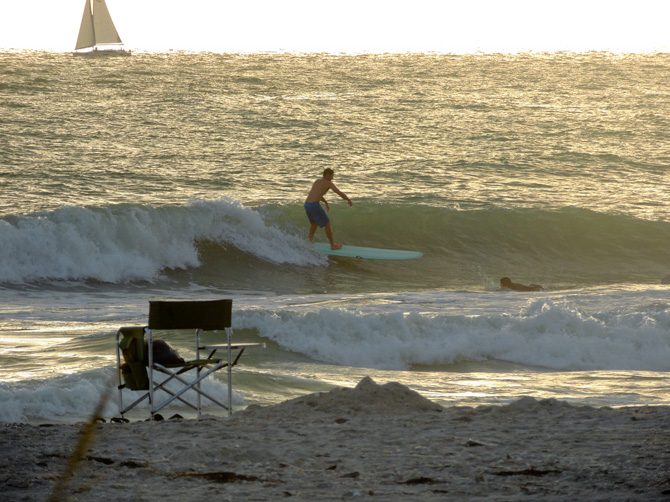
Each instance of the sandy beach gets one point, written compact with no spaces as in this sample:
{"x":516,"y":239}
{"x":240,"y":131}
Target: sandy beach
{"x":377,"y":442}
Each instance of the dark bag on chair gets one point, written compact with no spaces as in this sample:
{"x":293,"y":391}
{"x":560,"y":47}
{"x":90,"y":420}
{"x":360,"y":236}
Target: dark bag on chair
{"x":163,"y":353}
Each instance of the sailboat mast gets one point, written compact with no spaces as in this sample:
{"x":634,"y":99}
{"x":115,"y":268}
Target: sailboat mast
{"x":92,"y":4}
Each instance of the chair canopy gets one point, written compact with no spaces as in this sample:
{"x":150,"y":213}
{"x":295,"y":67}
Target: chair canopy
{"x":205,"y":315}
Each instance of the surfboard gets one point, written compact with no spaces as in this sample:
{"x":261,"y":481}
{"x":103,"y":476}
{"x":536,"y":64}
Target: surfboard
{"x":367,"y":253}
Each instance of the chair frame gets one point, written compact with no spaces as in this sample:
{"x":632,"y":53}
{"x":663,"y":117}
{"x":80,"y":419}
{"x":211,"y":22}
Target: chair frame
{"x":178,"y":315}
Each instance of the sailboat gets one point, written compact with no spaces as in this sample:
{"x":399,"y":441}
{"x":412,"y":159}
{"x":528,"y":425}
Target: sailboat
{"x":97,"y":33}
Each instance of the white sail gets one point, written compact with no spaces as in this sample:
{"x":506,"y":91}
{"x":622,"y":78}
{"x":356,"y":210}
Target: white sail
{"x":105,"y":32}
{"x":86,"y":36}
{"x":97,"y":26}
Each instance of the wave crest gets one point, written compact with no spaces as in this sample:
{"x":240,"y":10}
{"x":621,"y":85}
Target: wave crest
{"x":129,"y":242}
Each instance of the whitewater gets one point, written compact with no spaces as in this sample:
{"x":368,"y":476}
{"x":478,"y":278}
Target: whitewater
{"x":182,"y":176}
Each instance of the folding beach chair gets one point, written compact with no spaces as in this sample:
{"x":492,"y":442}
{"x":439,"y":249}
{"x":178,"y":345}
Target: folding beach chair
{"x":149,"y":365}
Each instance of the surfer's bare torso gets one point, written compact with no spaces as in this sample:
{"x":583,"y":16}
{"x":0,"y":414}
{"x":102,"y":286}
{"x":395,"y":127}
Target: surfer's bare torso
{"x":320,"y":188}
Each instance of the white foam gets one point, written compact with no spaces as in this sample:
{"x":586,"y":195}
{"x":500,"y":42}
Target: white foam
{"x":542,"y":333}
{"x":74,"y":397}
{"x":125,"y":243}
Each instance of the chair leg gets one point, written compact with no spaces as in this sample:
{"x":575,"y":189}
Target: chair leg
{"x":150,"y":370}
{"x":199,"y":370}
{"x":189,"y":385}
{"x":118,"y":372}
{"x":229,"y":336}
{"x":135,"y":403}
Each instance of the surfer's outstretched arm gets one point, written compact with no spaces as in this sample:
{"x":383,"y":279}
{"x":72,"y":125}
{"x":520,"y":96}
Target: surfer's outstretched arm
{"x":341,"y":194}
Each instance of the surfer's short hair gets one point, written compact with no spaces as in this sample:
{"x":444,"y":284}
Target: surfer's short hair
{"x":328,"y":171}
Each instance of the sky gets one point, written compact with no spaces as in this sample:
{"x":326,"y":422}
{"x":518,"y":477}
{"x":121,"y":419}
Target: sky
{"x":350,"y":26}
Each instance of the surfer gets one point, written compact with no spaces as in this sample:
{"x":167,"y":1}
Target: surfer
{"x":317,"y":216}
{"x":506,"y":283}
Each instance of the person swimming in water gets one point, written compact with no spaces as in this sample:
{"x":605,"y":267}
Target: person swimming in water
{"x":506,"y":283}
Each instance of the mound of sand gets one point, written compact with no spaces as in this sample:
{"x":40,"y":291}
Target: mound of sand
{"x":367,"y":398}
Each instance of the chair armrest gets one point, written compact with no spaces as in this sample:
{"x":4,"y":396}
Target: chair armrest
{"x":232,"y":346}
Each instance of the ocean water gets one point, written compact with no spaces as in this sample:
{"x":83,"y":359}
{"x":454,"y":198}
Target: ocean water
{"x":182,"y":176}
